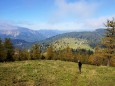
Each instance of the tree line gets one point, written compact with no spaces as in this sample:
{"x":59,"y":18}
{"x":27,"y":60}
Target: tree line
{"x":9,"y":53}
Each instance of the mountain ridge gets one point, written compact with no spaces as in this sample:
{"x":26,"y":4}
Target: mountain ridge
{"x":25,"y":37}
{"x":16,"y":32}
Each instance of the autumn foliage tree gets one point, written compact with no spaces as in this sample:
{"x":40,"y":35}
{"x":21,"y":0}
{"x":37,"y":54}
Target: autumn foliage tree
{"x":49,"y":53}
{"x":97,"y":58}
{"x":105,"y":53}
{"x":109,"y":40}
{"x":35,"y":52}
{"x":67,"y":54}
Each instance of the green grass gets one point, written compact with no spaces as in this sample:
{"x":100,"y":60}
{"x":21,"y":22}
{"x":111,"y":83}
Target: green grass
{"x":54,"y":73}
{"x":72,"y":43}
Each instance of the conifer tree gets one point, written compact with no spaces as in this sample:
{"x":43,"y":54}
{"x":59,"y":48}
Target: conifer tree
{"x":109,"y":40}
{"x":2,"y":52}
{"x":9,"y":49}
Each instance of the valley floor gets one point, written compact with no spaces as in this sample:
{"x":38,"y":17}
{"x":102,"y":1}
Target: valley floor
{"x":54,"y":73}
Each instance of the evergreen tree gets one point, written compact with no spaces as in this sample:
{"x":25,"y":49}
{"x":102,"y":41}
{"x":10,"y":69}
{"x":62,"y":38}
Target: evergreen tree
{"x":2,"y":52}
{"x":109,"y":40}
{"x":9,"y":49}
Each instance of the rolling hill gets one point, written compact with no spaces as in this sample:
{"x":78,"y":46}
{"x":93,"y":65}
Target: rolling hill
{"x":72,"y":39}
{"x":54,"y":73}
{"x":73,"y":43}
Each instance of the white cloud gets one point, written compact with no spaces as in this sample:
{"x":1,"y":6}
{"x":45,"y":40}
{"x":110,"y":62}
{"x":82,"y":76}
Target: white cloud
{"x":80,"y":8}
{"x":97,"y":22}
{"x":85,"y":25}
{"x":51,"y":26}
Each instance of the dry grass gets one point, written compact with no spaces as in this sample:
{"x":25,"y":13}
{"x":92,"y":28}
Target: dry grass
{"x":54,"y":73}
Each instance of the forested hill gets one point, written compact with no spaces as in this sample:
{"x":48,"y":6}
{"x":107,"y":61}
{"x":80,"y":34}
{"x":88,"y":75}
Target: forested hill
{"x":93,"y":37}
{"x":22,"y":44}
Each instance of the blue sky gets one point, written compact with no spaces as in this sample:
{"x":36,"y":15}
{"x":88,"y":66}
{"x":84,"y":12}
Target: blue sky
{"x":79,"y":15}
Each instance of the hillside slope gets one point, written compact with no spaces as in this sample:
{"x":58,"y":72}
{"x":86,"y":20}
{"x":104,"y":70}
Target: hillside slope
{"x":93,"y":38}
{"x":50,"y":33}
{"x":21,"y":44}
{"x":73,"y":43}
{"x":54,"y":73}
{"x":22,"y":33}
{"x":26,"y":34}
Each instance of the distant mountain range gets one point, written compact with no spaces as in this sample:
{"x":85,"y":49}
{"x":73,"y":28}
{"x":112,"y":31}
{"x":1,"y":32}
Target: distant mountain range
{"x":93,"y":37}
{"x":22,"y":33}
{"x":24,"y":37}
{"x":50,"y":33}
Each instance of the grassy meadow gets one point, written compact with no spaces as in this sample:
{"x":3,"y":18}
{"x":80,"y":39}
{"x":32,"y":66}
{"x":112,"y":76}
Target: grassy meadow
{"x":54,"y":73}
{"x":73,"y":43}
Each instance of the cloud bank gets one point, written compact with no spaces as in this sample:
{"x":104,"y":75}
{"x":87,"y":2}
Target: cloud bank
{"x":86,"y":25}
